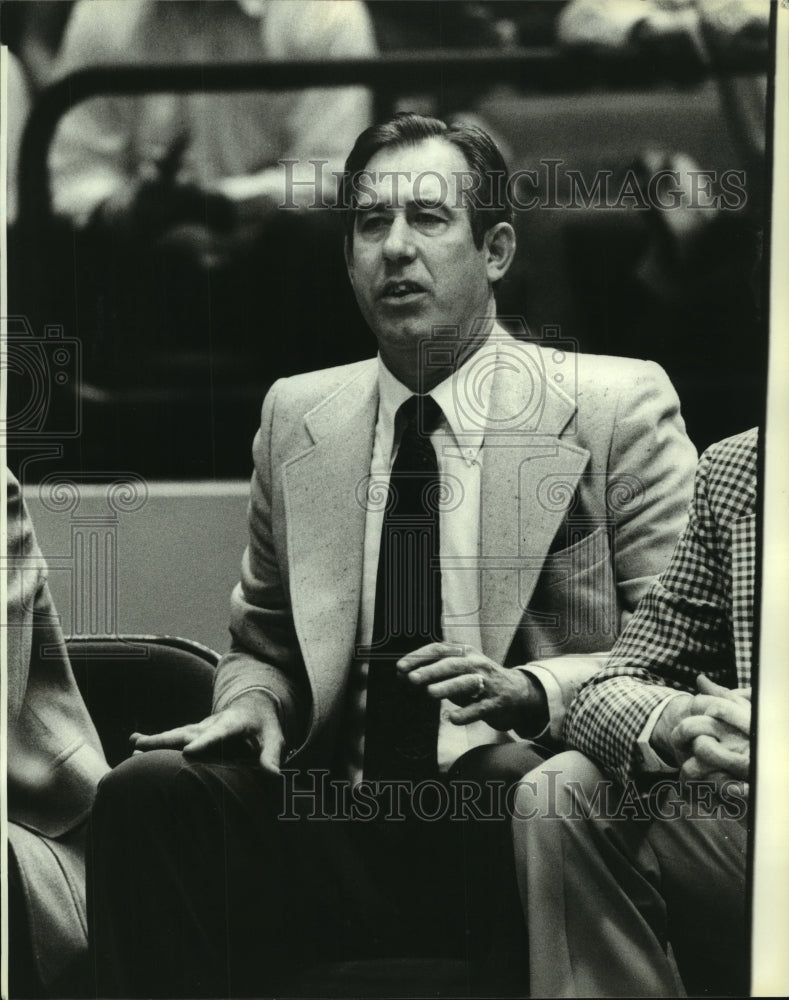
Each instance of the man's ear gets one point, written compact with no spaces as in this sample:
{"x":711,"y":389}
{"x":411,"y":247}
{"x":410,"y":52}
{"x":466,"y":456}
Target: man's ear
{"x":499,"y":245}
{"x":348,"y":252}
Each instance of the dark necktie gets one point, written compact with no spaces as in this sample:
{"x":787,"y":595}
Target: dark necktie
{"x":401,"y":723}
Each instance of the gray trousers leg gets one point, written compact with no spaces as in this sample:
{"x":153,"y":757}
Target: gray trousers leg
{"x":609,"y":898}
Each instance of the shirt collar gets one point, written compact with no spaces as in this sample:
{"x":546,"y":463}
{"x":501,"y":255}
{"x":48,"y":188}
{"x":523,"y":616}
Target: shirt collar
{"x":464,"y":398}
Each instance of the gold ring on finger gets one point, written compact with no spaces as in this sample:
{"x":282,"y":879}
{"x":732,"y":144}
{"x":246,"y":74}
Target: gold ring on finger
{"x":480,"y":691}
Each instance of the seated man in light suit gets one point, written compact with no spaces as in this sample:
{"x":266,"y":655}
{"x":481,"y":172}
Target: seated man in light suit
{"x":421,"y":525}
{"x":609,"y":882}
{"x":54,"y":761}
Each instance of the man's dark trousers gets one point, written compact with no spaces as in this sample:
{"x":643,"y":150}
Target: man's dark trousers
{"x":198,"y":887}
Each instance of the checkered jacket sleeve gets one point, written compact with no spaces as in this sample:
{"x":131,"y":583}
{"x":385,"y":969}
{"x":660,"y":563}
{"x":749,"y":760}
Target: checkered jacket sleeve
{"x":696,"y":618}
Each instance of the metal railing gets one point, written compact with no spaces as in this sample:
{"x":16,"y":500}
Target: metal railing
{"x":531,"y":70}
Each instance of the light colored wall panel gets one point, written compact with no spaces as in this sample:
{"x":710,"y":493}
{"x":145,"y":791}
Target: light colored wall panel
{"x":166,"y":565}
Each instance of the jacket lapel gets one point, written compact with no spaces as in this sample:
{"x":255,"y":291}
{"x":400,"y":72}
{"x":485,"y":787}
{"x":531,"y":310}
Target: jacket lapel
{"x":324,"y":497}
{"x":528,"y":479}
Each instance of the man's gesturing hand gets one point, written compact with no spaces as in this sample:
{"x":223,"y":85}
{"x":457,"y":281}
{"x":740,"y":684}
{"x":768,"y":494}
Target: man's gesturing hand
{"x":504,"y":698}
{"x":252,"y":715}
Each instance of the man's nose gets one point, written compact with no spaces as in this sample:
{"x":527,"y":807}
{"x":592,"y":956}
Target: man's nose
{"x":399,"y":242}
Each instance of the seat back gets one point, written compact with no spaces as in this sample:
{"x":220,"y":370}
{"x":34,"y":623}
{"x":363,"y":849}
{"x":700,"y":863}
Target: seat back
{"x":141,"y":683}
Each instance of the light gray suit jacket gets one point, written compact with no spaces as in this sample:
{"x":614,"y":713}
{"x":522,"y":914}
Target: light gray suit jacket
{"x":54,"y":758}
{"x":584,"y":493}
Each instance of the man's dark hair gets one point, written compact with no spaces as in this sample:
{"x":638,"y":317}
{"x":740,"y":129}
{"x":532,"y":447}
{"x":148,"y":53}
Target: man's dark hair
{"x":488,"y":197}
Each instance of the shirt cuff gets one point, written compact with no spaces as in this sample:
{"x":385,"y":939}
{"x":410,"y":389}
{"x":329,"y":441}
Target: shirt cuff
{"x":257,"y":687}
{"x":553,"y":696}
{"x":650,"y":761}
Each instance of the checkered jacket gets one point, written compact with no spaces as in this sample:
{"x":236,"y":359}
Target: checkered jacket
{"x":696,"y":618}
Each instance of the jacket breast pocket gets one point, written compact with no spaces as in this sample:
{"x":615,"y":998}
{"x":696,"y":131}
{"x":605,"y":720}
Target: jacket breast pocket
{"x":574,"y":607}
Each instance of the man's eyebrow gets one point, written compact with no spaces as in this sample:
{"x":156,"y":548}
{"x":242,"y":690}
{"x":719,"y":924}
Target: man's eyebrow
{"x":407,"y":201}
{"x":376,"y":206}
{"x":427,"y":202}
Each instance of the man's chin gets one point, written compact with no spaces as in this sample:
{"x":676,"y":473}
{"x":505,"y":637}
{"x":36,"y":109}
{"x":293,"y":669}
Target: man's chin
{"x":403,"y":335}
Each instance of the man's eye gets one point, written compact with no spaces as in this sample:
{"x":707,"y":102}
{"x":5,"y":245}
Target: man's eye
{"x":429,"y":220}
{"x":372,"y":223}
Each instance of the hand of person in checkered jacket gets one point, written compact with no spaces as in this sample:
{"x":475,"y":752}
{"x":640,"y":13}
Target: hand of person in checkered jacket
{"x":709,"y":733}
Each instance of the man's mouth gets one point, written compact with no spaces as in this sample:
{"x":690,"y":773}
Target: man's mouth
{"x":400,"y":289}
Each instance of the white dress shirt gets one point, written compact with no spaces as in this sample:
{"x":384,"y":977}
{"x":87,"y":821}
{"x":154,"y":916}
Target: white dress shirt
{"x":458,"y":441}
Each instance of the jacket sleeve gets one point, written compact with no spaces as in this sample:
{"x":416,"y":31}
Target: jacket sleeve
{"x":679,"y":630}
{"x":264,"y":653}
{"x":54,"y":758}
{"x":646,"y":483}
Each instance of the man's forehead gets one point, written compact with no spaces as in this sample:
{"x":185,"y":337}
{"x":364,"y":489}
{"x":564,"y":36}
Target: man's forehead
{"x":430,"y":172}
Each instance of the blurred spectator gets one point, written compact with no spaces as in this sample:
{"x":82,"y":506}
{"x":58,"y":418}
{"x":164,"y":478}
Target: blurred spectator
{"x":736,"y":25}
{"x":55,"y":762}
{"x":534,"y":21}
{"x":18,"y":107}
{"x":112,"y":151}
{"x":178,"y":193}
{"x":692,"y":291}
{"x":411,"y":25}
{"x":414,"y":24}
{"x":683,"y":289}
{"x":33,"y":30}
{"x":672,"y":27}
